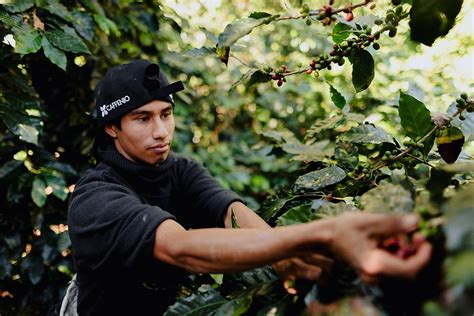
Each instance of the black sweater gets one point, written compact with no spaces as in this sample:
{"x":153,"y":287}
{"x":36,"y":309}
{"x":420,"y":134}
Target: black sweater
{"x":113,"y":214}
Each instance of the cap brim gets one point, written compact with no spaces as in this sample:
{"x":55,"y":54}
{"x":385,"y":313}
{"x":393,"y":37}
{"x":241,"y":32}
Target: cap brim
{"x":167,"y":90}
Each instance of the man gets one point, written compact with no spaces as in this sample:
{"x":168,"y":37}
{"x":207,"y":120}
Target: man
{"x":145,"y":217}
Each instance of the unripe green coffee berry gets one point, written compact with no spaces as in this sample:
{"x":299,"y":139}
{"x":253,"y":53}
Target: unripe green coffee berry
{"x":462,"y":117}
{"x":464,"y":96}
{"x":390,"y":16}
{"x":378,"y":22}
{"x":341,"y":61}
{"x":470,"y":109}
{"x":308,"y":22}
{"x":399,"y":10}
{"x":460,"y":101}
{"x":396,"y":2}
{"x":376,"y":46}
{"x":392,"y":32}
{"x":368,"y":30}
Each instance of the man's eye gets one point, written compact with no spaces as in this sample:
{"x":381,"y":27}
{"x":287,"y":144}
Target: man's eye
{"x":166,"y":114}
{"x":143,"y":119}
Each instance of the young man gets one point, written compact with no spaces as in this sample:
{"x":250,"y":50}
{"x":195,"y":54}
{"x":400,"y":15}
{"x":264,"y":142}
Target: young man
{"x":145,"y":217}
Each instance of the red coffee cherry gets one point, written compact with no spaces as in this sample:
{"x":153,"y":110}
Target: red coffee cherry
{"x":349,"y":16}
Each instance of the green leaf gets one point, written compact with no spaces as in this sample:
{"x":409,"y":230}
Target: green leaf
{"x":252,"y":278}
{"x":200,"y":52}
{"x":362,"y":69}
{"x":9,"y":167}
{"x":19,"y":5}
{"x":270,"y":209}
{"x":337,"y":97}
{"x":238,"y":29}
{"x":296,"y":215}
{"x":84,"y":24}
{"x":236,"y":307}
{"x":333,"y":122}
{"x":450,"y":141}
{"x":28,"y":40}
{"x":58,"y":9}
{"x":209,"y":35}
{"x":67,"y":40}
{"x":367,"y":134}
{"x":258,"y":77}
{"x":244,"y":77}
{"x":304,"y":152}
{"x":387,"y":198}
{"x":101,"y":21}
{"x":64,"y":242}
{"x":333,"y":209}
{"x":28,"y":133}
{"x":415,"y":118}
{"x":11,"y":21}
{"x":319,"y":179}
{"x":459,"y":213}
{"x":58,"y":184}
{"x":33,"y":265}
{"x":56,"y":56}
{"x":38,"y":193}
{"x":218,"y":278}
{"x":201,"y":303}
{"x":459,"y":269}
{"x":280,"y":136}
{"x":341,"y":32}
{"x":259,"y":15}
{"x":430,"y":19}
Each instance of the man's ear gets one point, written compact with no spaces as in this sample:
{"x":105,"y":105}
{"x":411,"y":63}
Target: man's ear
{"x":111,"y":129}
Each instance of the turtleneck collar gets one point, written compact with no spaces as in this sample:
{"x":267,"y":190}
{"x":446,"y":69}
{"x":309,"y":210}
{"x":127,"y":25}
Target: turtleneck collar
{"x":146,"y":178}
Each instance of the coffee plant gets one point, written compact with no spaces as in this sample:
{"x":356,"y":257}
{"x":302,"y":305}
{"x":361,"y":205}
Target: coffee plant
{"x":349,"y":164}
{"x":295,"y":136}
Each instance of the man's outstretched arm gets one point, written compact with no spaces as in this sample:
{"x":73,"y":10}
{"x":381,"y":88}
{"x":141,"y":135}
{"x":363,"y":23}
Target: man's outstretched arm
{"x":350,"y":236}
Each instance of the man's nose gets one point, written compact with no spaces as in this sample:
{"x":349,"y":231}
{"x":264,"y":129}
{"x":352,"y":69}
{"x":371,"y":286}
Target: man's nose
{"x":159,"y":129}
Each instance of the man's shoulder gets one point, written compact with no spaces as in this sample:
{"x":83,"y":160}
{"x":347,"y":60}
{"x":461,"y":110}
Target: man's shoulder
{"x":102,"y":175}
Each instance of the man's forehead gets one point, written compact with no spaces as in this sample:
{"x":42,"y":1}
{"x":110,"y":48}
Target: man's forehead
{"x":154,"y":106}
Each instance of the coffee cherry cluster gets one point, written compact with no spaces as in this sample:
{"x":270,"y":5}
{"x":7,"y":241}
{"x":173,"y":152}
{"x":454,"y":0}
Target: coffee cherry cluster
{"x":392,"y":19}
{"x":326,"y":13}
{"x":463,"y":103}
{"x":401,"y":246}
{"x":363,"y":36}
{"x":279,"y":75}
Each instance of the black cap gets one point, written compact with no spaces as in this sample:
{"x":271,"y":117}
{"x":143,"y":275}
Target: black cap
{"x":130,"y":86}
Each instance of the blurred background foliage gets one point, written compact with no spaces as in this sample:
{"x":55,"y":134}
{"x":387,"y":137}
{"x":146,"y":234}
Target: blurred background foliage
{"x":53,"y":53}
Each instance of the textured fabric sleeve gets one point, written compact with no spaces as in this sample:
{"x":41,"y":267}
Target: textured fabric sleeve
{"x":205,"y":197}
{"x":111,"y":229}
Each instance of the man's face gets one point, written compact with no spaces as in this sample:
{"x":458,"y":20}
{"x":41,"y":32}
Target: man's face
{"x":146,"y":133}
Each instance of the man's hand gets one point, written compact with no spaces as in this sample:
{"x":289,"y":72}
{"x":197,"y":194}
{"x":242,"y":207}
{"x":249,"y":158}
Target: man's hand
{"x":355,"y":241}
{"x":314,"y":267}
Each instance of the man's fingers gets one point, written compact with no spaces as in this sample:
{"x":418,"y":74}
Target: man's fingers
{"x":319,"y":260}
{"x":383,"y":263}
{"x":302,"y":270}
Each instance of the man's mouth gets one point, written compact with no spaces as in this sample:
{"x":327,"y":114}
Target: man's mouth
{"x":160,"y":149}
